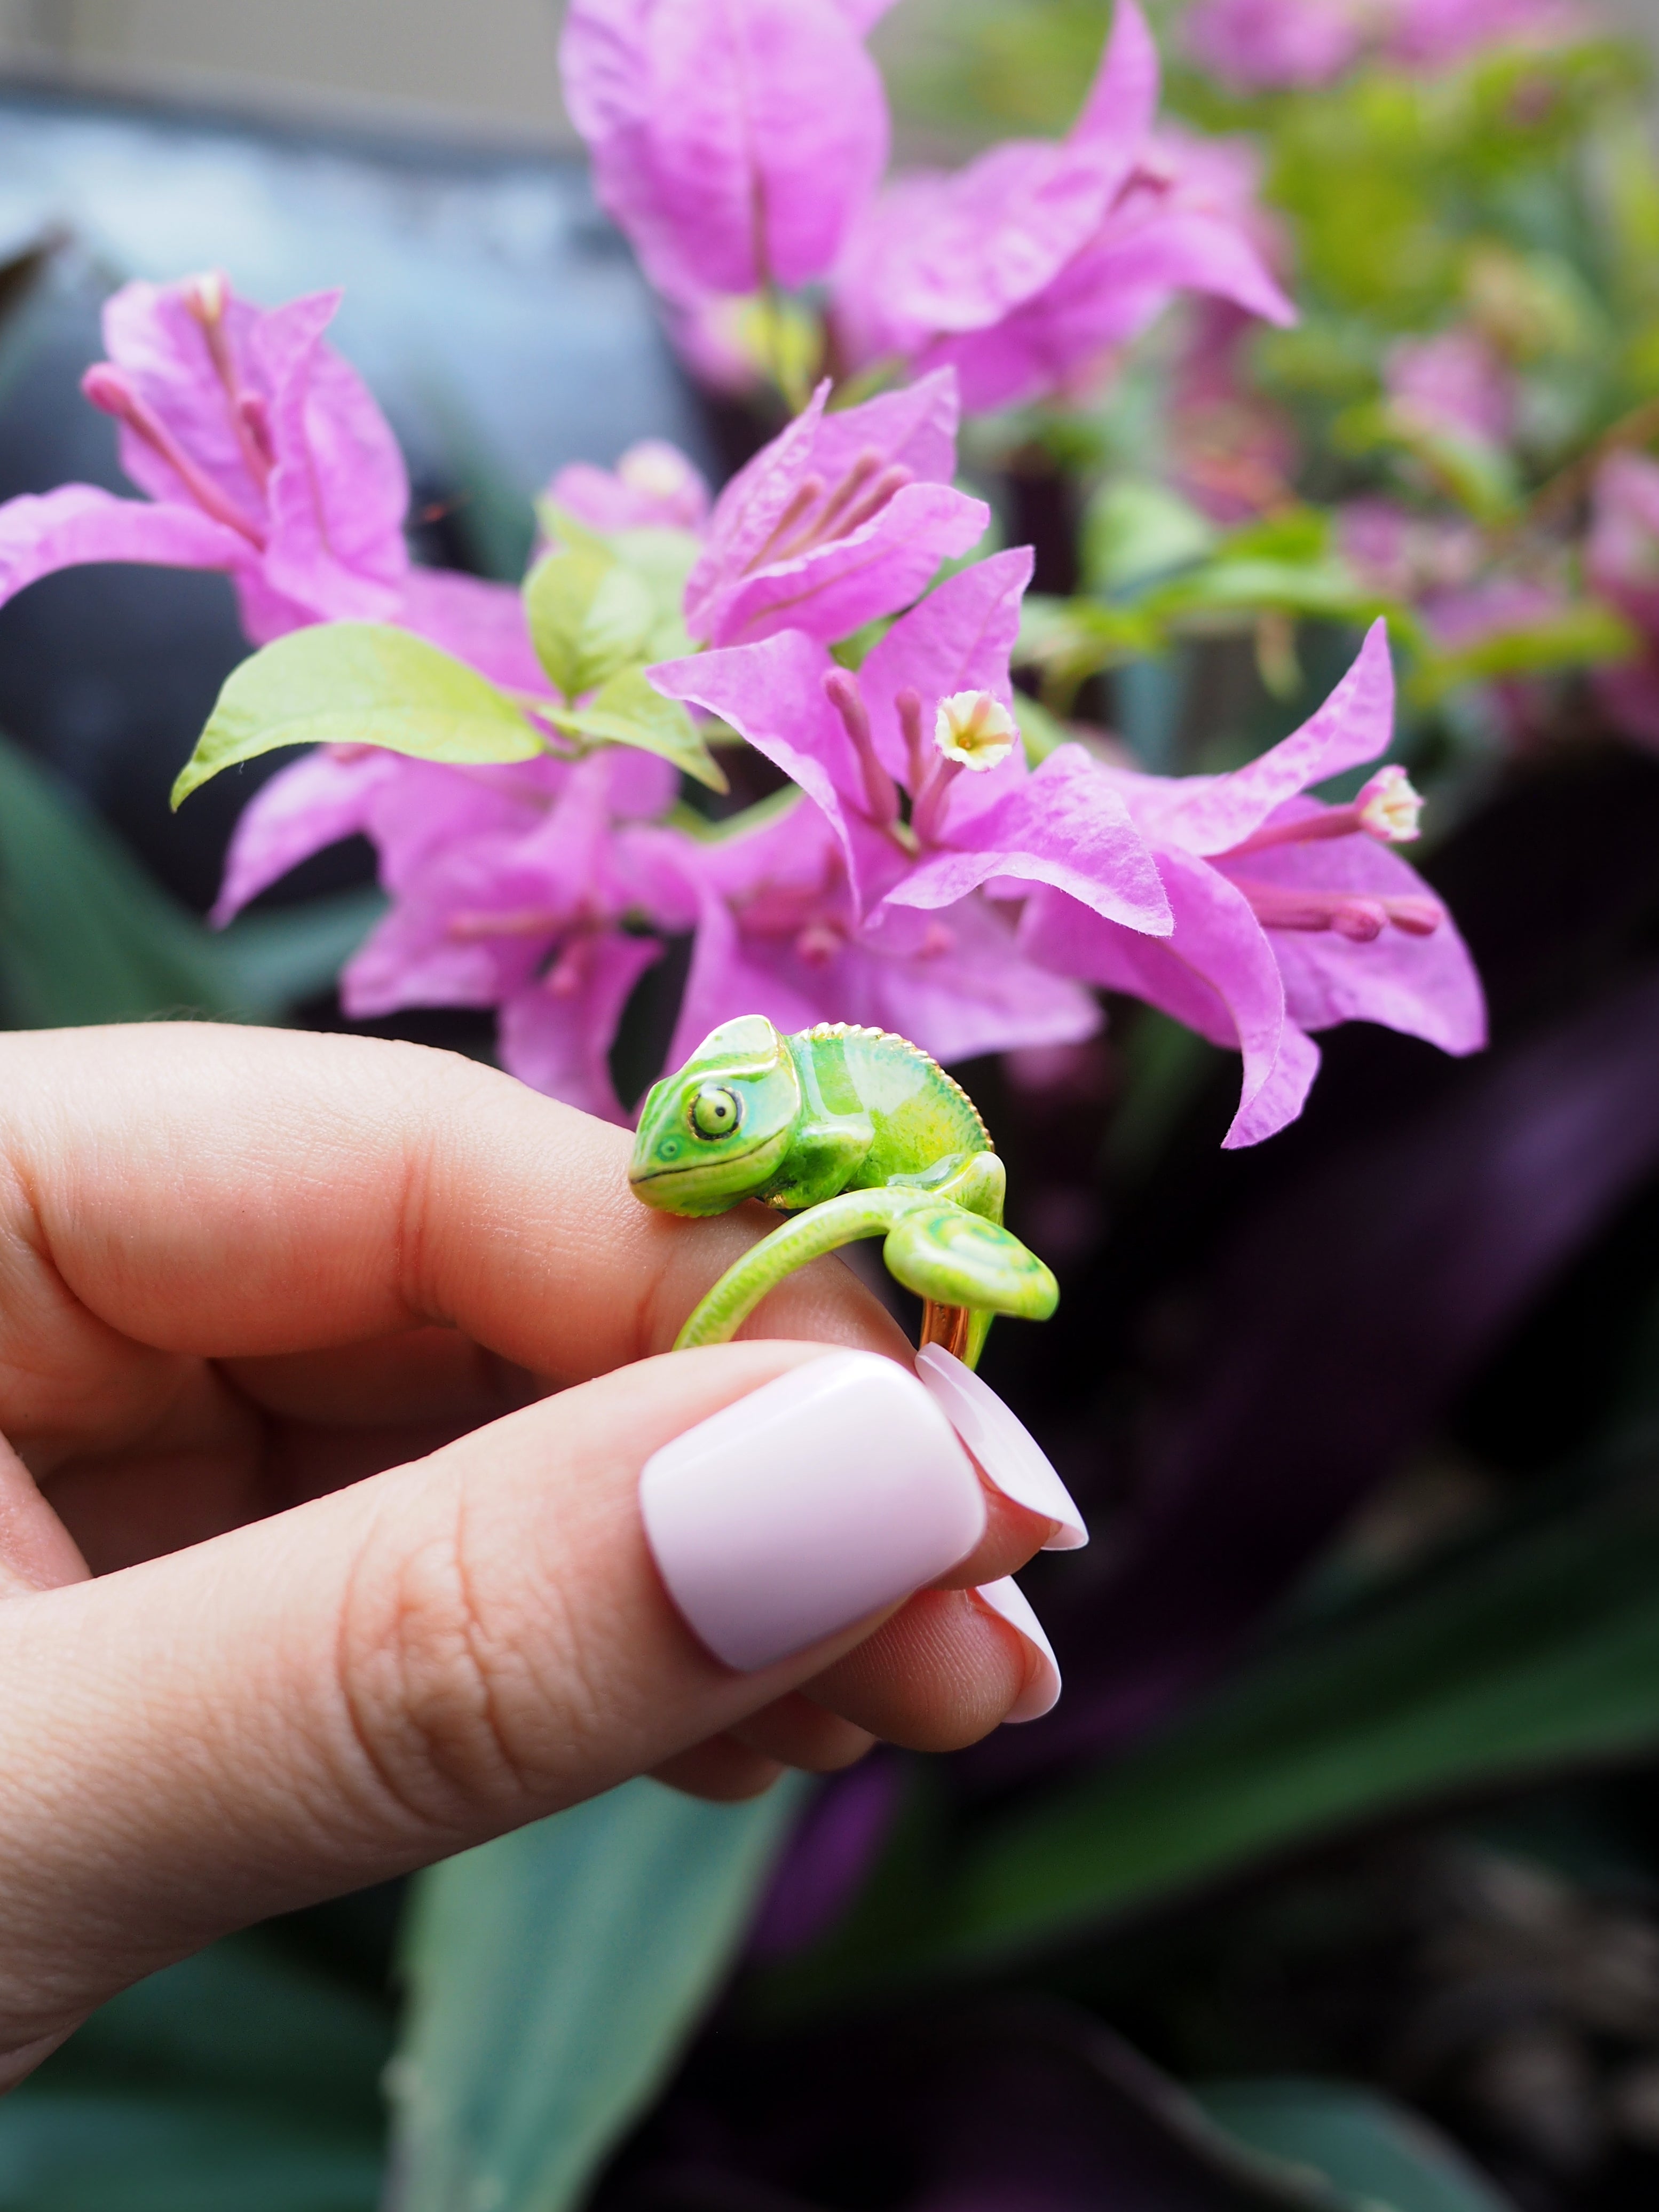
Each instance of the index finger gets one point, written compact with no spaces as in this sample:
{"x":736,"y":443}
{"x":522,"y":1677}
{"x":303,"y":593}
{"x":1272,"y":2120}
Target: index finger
{"x":236,"y":1194}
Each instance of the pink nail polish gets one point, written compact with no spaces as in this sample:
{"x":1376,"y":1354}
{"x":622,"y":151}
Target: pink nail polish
{"x":1042,"y":1694}
{"x":818,"y":1499}
{"x":1012,"y":1460}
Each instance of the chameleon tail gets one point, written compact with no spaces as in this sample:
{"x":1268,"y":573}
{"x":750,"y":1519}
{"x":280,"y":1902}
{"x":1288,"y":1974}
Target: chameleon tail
{"x":808,"y":1236}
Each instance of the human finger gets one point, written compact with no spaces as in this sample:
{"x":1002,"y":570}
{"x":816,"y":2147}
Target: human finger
{"x":186,"y":1193}
{"x":401,"y":1670}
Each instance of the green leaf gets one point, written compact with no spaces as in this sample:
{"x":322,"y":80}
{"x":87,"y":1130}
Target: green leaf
{"x":276,"y":960}
{"x":358,"y":684}
{"x":1588,"y":634}
{"x":1381,"y":2156}
{"x":1536,"y":1652}
{"x":589,"y":618}
{"x":662,"y":559}
{"x":85,"y":936}
{"x":627,"y":711}
{"x":237,"y":2078}
{"x":554,"y":1976}
{"x":1135,"y":529}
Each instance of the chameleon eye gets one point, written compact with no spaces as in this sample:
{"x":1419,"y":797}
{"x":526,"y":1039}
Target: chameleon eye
{"x":715,"y":1112}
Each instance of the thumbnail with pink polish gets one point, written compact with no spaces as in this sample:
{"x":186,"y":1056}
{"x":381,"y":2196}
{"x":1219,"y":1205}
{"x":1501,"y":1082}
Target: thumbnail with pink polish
{"x":1042,"y":1694}
{"x":1013,"y":1461}
{"x":818,"y":1499}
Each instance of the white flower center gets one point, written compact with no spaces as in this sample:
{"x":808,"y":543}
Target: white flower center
{"x":975,"y":729}
{"x":1388,"y":808}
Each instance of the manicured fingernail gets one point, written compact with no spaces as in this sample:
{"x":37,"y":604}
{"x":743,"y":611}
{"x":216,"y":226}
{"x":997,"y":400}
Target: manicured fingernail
{"x":815,"y":1501}
{"x":1013,"y":1461}
{"x":1041,"y":1692}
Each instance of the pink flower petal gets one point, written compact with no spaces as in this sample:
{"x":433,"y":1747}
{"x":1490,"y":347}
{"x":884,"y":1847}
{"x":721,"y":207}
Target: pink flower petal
{"x":562,"y":1046}
{"x":478,"y":622}
{"x":338,"y":491}
{"x":1209,"y":814}
{"x":79,"y":523}
{"x":1423,"y":987}
{"x":957,"y":640}
{"x":1216,"y":972}
{"x":1065,"y":826}
{"x":838,"y":587}
{"x":733,"y":140}
{"x":315,"y":802}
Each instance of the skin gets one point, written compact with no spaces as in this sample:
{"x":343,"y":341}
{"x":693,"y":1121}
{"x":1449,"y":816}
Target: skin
{"x":857,"y":1133}
{"x":321,"y":1552}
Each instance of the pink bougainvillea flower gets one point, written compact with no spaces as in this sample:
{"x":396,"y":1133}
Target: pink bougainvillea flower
{"x":842,"y":519}
{"x":534,"y":889}
{"x":1025,"y":268}
{"x":1452,"y":385}
{"x":264,"y":454}
{"x":1623,"y":564}
{"x":1290,"y":916}
{"x":779,"y":934}
{"x":733,"y":141}
{"x":653,"y":486}
{"x":1433,"y":35}
{"x":1263,"y":45}
{"x":927,"y":719}
{"x":1233,"y":452}
{"x":1402,"y":554}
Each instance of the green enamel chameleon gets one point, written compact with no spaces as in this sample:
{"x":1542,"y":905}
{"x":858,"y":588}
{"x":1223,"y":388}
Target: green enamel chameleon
{"x":856,"y":1132}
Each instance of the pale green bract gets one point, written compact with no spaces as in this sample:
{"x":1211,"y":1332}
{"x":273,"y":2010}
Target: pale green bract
{"x":590,"y":618}
{"x":626,"y":711}
{"x":359,"y":683}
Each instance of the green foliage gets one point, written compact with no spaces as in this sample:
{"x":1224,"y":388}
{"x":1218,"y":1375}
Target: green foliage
{"x":626,"y":711}
{"x":590,"y":618}
{"x":358,"y":684}
{"x":1382,"y":2157}
{"x":85,"y":936}
{"x":553,"y":1977}
{"x":1536,"y":1652}
{"x":1583,"y":633}
{"x":239,"y":2078}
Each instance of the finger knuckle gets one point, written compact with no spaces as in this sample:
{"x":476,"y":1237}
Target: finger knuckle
{"x":448,"y":1708}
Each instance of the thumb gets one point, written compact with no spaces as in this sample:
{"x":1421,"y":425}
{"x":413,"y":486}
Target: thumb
{"x":404,"y":1669}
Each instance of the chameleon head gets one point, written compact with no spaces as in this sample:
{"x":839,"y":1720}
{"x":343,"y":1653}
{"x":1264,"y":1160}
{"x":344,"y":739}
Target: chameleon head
{"x":714,"y":1133}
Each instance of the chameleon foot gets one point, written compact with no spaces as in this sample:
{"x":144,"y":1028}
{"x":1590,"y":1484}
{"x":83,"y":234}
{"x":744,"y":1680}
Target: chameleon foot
{"x":955,"y":1258}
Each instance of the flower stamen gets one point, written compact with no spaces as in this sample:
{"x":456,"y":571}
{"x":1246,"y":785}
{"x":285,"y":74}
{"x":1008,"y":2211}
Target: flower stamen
{"x":1388,"y":808}
{"x":1358,"y":916}
{"x":110,"y":392}
{"x":206,"y":297}
{"x":840,"y":688}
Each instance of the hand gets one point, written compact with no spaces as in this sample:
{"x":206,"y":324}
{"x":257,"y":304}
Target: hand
{"x":282,"y":1319}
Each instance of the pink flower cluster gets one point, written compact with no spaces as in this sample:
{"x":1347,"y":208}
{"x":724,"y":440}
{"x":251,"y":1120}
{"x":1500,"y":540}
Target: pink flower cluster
{"x":740,"y":145}
{"x":1257,"y":46}
{"x":921,"y":876}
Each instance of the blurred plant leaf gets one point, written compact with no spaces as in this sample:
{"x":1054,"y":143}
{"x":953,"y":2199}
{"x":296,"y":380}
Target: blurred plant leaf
{"x":358,"y":684}
{"x":1585,"y":635}
{"x":237,"y":2078}
{"x":1378,"y":2153}
{"x":278,"y":960}
{"x":627,"y":711}
{"x":553,"y":1976}
{"x":85,"y":936}
{"x":590,"y":618}
{"x":1135,"y":529}
{"x":1534,"y":1652}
